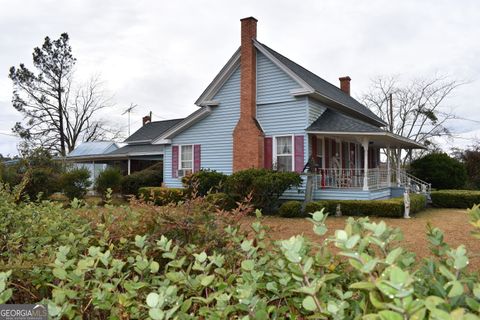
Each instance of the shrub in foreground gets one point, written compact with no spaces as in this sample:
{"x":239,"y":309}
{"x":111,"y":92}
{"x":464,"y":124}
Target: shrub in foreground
{"x":75,"y":183}
{"x":108,"y":272}
{"x":111,"y":178}
{"x":455,"y":198}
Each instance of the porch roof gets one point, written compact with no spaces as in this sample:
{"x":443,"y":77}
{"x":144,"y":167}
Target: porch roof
{"x":336,"y":124}
{"x":125,"y":152}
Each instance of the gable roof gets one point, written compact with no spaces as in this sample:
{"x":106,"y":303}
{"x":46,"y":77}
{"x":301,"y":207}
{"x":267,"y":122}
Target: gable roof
{"x":325,"y":88}
{"x":151,"y":130}
{"x":334,"y":121}
{"x":309,"y":82}
{"x":93,"y":148}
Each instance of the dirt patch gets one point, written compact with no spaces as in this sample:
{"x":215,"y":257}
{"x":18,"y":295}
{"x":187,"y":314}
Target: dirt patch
{"x":453,"y":222}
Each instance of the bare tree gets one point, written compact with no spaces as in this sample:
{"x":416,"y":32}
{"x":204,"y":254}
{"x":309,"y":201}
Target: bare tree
{"x":416,"y":110}
{"x":58,"y":115}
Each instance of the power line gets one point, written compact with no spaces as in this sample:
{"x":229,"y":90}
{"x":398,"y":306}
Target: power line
{"x":9,"y":134}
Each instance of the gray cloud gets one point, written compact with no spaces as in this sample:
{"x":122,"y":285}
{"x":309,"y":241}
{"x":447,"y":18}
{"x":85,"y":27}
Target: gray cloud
{"x":162,"y":54}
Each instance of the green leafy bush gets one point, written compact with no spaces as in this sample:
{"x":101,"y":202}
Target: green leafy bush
{"x":221,"y":200}
{"x":290,"y":209}
{"x":44,"y":181}
{"x":455,"y":198}
{"x":75,"y":183}
{"x":265,"y":186}
{"x":382,"y":208}
{"x":162,"y":196}
{"x":149,"y":177}
{"x":119,"y":263}
{"x":111,"y":178}
{"x":441,"y":170}
{"x":204,"y":181}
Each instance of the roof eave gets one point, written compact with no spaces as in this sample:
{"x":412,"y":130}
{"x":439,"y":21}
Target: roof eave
{"x":219,"y":80}
{"x":411,"y":144}
{"x":187,"y":122}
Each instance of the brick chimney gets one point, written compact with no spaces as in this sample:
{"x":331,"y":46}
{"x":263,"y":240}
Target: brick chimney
{"x":146,"y":119}
{"x":345,"y":84}
{"x":248,"y":137}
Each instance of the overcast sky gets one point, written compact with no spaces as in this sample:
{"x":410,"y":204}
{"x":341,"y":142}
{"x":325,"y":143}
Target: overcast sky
{"x":161,"y":55}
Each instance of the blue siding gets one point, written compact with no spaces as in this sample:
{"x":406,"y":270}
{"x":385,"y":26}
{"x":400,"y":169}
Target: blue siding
{"x":278,"y":111}
{"x":273,"y":84}
{"x":214,"y":133}
{"x":315,"y":110}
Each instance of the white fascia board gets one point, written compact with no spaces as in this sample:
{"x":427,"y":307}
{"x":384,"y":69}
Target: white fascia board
{"x":305,"y":87}
{"x":188,"y":121}
{"x":219,"y":80}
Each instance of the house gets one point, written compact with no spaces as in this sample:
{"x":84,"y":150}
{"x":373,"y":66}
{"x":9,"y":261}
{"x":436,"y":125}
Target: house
{"x":265,"y":111}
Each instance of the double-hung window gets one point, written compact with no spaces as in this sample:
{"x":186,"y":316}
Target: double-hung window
{"x":284,"y":153}
{"x":186,"y":158}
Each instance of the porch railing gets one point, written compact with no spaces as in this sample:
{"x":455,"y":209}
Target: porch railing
{"x":332,"y":178}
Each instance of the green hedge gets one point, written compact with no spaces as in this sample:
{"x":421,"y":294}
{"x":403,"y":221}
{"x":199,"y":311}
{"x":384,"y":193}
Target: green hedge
{"x":455,"y":198}
{"x":291,"y":209}
{"x":162,"y":196}
{"x":382,"y":208}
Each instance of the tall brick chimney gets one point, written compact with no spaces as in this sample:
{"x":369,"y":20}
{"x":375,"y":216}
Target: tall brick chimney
{"x":248,"y":137}
{"x":345,"y":84}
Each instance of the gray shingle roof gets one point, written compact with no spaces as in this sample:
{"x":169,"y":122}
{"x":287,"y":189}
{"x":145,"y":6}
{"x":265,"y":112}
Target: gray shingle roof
{"x":152,"y":130}
{"x":334,"y":121}
{"x":323,"y":87}
{"x":139,"y":149}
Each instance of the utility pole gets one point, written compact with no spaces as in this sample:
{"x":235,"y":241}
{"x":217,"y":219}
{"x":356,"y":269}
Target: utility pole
{"x":132,"y":106}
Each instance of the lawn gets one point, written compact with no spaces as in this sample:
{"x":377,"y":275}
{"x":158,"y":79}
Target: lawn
{"x":453,"y":222}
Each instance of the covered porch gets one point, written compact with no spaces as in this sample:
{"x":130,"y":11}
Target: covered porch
{"x":347,"y":165}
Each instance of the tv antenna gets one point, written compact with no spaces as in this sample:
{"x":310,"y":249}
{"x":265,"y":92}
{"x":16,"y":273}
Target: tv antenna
{"x":129,"y":109}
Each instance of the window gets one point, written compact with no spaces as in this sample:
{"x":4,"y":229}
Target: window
{"x":186,"y":157}
{"x":284,"y":153}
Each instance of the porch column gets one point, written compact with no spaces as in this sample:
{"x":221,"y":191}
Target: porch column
{"x":399,"y":167}
{"x":128,"y":166}
{"x":365,"y":164}
{"x":389,"y":174}
{"x":93,"y":175}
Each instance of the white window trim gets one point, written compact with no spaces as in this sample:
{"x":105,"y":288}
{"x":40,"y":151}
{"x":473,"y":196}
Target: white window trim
{"x":180,"y":156}
{"x":274,"y":147}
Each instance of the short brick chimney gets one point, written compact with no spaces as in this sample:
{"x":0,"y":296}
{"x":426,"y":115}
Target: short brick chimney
{"x":146,"y":119}
{"x":345,"y":84}
{"x":248,"y":137}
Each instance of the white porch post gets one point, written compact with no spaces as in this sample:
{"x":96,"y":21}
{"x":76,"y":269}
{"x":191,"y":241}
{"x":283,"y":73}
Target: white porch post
{"x":128,"y":166}
{"x":365,"y":164}
{"x":389,"y":174}
{"x":399,"y":167}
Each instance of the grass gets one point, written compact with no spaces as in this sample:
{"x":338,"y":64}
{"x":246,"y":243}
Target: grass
{"x":453,"y":222}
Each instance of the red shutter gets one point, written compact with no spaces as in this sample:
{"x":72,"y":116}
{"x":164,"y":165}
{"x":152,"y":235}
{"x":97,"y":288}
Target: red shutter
{"x":174,"y":161}
{"x":299,"y":153}
{"x":327,"y":153}
{"x":267,"y":153}
{"x":196,"y":158}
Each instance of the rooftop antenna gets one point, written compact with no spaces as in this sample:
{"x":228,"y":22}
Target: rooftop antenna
{"x":129,"y":109}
